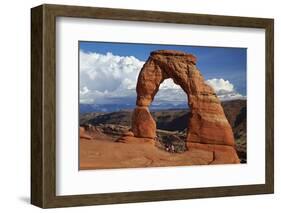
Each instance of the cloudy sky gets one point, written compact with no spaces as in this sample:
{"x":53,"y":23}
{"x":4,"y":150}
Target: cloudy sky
{"x":109,"y":71}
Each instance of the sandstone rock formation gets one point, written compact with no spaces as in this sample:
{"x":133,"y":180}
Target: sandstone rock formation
{"x":144,"y":125}
{"x":207,"y":124}
{"x":83,"y":134}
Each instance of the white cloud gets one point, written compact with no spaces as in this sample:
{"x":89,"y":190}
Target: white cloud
{"x":104,"y":77}
{"x":170,"y":92}
{"x":169,"y":84}
{"x":84,"y":90}
{"x":224,"y":89}
{"x":108,"y":75}
{"x":108,"y":78}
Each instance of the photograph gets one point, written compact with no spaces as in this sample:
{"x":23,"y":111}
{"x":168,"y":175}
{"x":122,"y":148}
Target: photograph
{"x":171,"y":105}
{"x":156,"y":105}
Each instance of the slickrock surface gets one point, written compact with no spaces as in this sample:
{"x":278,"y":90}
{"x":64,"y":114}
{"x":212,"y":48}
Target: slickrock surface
{"x":98,"y":154}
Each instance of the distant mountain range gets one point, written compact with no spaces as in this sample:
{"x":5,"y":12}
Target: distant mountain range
{"x":86,"y":108}
{"x":166,"y":119}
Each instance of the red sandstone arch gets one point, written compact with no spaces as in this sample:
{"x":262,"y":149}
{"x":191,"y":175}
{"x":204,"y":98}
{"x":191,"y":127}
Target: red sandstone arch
{"x":207,"y":125}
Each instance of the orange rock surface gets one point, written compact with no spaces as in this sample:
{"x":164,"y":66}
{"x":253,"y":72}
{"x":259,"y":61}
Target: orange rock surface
{"x":135,"y":153}
{"x":223,"y":154}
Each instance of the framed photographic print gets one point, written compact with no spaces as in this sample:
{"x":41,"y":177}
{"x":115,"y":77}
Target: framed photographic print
{"x":137,"y":106}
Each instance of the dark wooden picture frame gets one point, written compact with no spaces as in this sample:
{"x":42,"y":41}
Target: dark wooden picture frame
{"x":43,"y":105}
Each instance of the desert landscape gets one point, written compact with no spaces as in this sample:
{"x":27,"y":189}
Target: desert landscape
{"x":101,"y":134}
{"x":207,"y":131}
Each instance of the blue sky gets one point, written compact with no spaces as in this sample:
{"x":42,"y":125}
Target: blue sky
{"x":227,"y":64}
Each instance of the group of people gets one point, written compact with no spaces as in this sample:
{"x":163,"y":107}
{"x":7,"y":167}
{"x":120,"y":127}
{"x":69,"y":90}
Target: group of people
{"x":169,"y":147}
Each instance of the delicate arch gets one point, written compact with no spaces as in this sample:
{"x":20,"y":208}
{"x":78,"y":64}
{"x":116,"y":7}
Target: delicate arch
{"x":207,"y":123}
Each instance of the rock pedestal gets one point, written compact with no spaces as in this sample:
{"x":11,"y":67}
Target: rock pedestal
{"x":143,"y":125}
